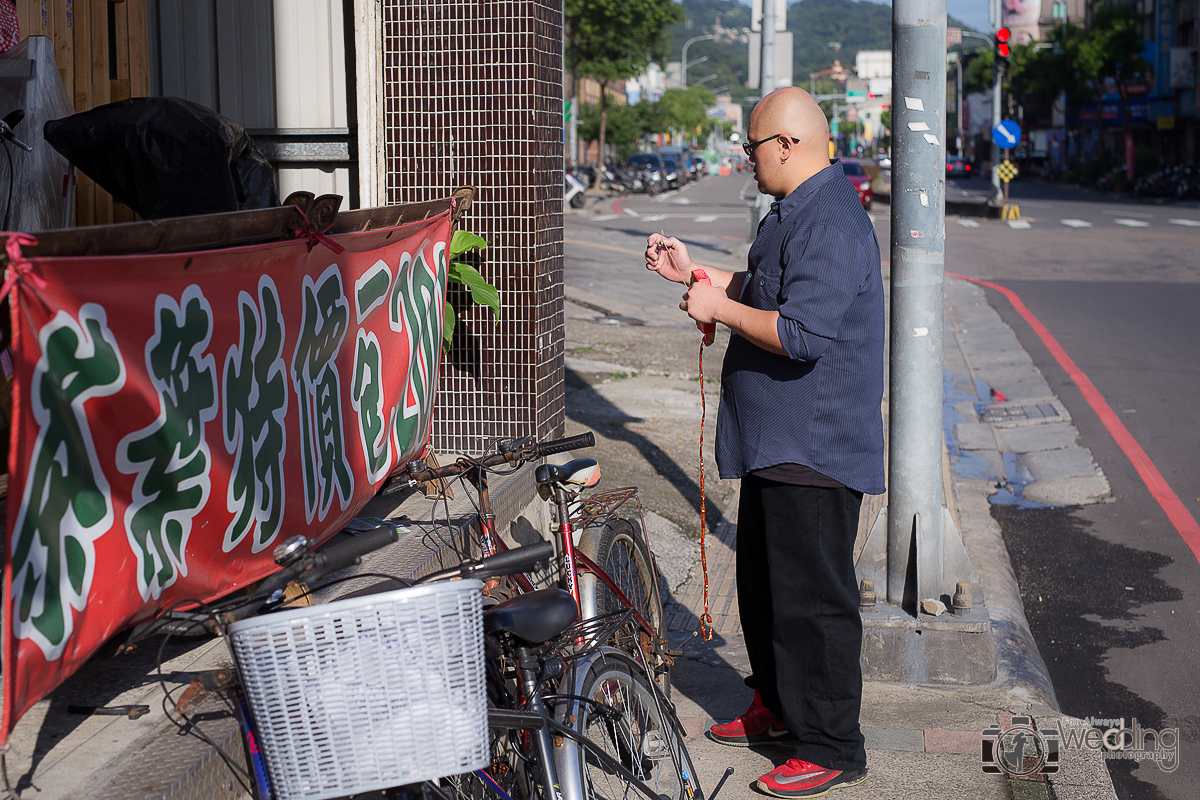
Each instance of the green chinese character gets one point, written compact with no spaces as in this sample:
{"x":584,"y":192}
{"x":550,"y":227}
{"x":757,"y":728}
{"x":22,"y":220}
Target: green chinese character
{"x":366,"y":394}
{"x":254,"y":404}
{"x":170,"y":456}
{"x":318,"y":389}
{"x":416,"y":309}
{"x":66,"y":503}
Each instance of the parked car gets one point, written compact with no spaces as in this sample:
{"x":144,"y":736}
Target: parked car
{"x":677,"y":174}
{"x":957,"y":167}
{"x":649,"y":173}
{"x":861,"y":181}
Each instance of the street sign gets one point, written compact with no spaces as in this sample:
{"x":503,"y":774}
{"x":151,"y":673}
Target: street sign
{"x":1006,"y":170}
{"x":1006,"y":134}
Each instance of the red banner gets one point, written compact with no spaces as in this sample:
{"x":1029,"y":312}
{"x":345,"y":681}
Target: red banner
{"x":175,"y":417}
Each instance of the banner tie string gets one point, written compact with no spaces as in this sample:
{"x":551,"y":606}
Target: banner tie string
{"x":315,"y":236}
{"x":19,"y":266}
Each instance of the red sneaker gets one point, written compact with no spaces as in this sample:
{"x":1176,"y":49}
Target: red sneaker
{"x":798,"y":778}
{"x":757,"y":726}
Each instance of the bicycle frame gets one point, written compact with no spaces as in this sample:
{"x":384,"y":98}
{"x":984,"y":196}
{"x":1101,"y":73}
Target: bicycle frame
{"x":573,"y":560}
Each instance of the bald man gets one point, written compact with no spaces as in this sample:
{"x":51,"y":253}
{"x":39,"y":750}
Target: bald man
{"x":800,"y":425}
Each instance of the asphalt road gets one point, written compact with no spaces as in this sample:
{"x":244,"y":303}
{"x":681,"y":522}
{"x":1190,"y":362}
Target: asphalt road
{"x":1112,"y":591}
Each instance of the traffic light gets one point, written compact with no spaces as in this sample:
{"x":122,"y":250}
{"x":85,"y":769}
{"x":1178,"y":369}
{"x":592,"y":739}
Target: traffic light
{"x":1002,"y":49}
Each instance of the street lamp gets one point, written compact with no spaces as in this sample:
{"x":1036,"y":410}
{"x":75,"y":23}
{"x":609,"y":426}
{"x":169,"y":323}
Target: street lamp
{"x":683,"y":65}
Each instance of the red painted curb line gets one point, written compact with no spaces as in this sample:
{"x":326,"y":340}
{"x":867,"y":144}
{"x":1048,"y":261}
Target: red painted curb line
{"x":617,"y":204}
{"x":1171,"y":505}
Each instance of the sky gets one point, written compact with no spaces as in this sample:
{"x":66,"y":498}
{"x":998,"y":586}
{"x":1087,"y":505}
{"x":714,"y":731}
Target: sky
{"x":971,"y":12}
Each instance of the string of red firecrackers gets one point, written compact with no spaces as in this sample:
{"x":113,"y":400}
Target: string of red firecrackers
{"x":709,"y":333}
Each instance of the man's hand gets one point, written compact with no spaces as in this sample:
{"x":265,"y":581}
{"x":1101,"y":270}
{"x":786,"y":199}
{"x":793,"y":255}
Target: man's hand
{"x":701,"y":302}
{"x":669,"y":257}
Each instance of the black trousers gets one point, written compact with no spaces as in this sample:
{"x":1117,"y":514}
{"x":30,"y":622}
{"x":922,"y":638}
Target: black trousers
{"x":798,"y":597}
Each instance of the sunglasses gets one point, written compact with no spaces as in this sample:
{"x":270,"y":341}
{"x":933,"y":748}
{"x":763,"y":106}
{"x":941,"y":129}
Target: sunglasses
{"x":749,"y":147}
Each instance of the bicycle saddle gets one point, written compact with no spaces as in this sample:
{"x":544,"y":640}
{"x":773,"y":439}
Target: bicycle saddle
{"x":580,"y":472}
{"x":536,"y":616}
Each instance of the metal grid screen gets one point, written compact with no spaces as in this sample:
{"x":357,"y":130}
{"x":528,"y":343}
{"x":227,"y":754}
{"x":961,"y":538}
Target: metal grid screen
{"x":473,"y":96}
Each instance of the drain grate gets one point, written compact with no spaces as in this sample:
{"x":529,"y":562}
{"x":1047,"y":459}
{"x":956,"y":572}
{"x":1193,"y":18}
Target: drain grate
{"x":1034,"y":412}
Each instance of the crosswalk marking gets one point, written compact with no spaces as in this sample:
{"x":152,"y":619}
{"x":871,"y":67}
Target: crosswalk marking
{"x":681,"y":200}
{"x":655,"y":217}
{"x":967,"y":223}
{"x":605,"y":217}
{"x":706,"y":218}
{"x":630,"y":212}
{"x":1019,"y":224}
{"x":1132,"y":223}
{"x":1076,"y":223}
{"x":1189,"y":223}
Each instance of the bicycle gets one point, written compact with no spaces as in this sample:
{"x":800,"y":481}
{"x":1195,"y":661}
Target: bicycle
{"x":570,"y":717}
{"x":609,"y":569}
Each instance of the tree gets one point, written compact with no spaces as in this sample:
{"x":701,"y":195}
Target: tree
{"x":624,"y":128}
{"x":1111,"y":47}
{"x":685,"y":109}
{"x":612,"y":40}
{"x":884,"y":140}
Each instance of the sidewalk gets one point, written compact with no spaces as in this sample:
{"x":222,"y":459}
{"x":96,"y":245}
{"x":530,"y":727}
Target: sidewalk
{"x":922,"y":741}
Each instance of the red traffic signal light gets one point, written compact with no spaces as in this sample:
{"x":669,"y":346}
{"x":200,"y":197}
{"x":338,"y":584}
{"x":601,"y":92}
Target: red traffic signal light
{"x":1002,"y":37}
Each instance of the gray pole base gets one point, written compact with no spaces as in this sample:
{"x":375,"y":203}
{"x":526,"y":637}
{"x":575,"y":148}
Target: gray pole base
{"x":907,"y":644}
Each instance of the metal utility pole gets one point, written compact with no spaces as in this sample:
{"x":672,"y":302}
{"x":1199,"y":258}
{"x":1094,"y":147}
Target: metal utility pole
{"x":766,"y":85}
{"x":915,"y":510}
{"x":766,"y":80}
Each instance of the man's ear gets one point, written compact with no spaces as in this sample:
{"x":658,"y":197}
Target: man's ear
{"x":786,"y":147}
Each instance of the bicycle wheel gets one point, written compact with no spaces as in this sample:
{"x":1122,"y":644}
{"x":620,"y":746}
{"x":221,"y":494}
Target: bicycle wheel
{"x":619,"y":548}
{"x":619,"y":711}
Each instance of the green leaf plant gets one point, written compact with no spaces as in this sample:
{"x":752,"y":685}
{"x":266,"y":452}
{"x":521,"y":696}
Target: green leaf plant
{"x":464,"y":244}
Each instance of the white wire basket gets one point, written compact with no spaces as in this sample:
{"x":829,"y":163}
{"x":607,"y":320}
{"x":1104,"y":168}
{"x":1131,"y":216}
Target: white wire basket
{"x":369,"y":692}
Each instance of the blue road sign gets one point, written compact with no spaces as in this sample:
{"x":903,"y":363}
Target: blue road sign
{"x":1006,"y":134}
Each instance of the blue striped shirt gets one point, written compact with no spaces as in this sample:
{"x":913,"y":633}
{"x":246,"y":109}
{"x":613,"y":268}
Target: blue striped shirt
{"x":815,"y":260}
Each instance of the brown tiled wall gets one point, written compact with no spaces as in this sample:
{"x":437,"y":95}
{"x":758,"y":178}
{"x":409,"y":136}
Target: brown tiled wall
{"x":473,"y":96}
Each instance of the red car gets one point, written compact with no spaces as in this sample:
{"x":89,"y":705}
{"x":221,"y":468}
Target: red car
{"x":861,"y":181}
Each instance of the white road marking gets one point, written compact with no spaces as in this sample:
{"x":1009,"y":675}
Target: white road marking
{"x":1076,"y":223}
{"x":1019,"y":224}
{"x":1188,"y":223}
{"x":967,"y":223}
{"x":1132,"y":223}
{"x":706,"y":218}
{"x":630,"y":212}
{"x":682,"y":200}
{"x":655,"y":217}
{"x":605,"y":217}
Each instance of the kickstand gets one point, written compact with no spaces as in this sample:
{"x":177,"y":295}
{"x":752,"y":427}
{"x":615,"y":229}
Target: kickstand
{"x":682,"y":646}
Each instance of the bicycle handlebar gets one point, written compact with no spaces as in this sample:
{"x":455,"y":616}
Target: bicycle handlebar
{"x":331,"y":558}
{"x":513,"y":451}
{"x":563,"y":445}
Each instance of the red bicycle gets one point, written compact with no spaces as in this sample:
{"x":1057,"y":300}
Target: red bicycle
{"x":604,"y":559}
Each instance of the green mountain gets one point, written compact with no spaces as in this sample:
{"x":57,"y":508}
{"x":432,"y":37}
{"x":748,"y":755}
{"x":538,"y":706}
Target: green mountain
{"x":860,"y":25}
